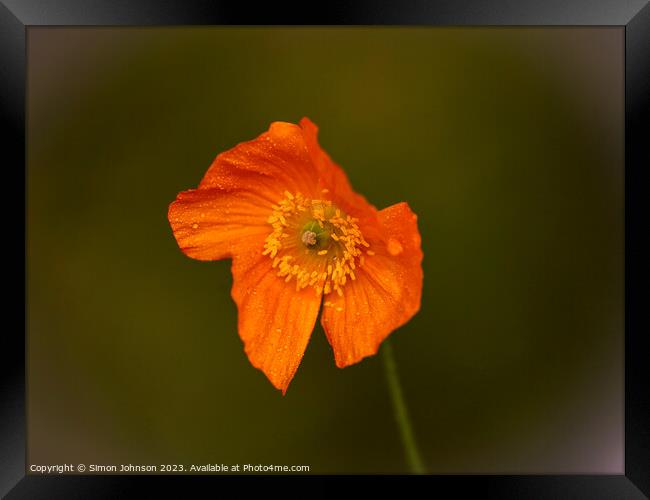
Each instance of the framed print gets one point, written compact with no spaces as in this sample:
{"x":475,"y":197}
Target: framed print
{"x":398,"y":242}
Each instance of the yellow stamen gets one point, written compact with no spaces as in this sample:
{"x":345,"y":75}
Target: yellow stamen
{"x":314,"y":242}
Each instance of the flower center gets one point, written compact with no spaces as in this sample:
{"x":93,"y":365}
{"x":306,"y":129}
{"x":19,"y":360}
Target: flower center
{"x":315,"y":243}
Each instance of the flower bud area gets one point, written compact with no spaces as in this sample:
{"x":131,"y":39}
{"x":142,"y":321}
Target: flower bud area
{"x":314,"y":243}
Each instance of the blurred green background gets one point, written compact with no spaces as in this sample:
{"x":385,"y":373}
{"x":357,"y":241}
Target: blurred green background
{"x":507,"y":143}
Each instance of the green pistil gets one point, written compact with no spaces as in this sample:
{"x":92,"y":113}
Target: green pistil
{"x":313,"y":236}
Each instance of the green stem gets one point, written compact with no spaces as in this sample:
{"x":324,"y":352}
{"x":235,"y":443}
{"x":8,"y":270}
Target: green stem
{"x":401,"y":413}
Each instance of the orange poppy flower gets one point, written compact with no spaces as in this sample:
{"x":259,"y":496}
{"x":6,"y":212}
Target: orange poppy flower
{"x":298,"y":235}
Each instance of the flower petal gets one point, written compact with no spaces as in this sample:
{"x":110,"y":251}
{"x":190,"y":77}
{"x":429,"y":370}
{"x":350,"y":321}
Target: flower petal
{"x":275,"y":162}
{"x":333,"y":179}
{"x":384,"y":296}
{"x":211,"y":224}
{"x":275,"y":320}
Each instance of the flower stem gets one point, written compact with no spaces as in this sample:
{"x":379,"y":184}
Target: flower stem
{"x":401,"y":412}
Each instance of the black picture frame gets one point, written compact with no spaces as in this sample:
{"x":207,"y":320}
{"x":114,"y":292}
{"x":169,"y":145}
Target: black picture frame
{"x":17,"y":16}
